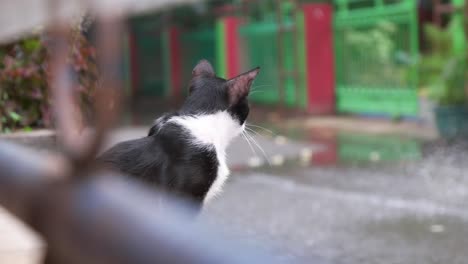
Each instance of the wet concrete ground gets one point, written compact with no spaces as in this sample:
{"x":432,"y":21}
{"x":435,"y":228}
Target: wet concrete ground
{"x":328,"y":196}
{"x":304,"y":224}
{"x":380,"y":207}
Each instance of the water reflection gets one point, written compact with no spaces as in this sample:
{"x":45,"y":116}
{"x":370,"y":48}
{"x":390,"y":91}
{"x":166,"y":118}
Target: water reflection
{"x":370,"y":148}
{"x":347,"y":148}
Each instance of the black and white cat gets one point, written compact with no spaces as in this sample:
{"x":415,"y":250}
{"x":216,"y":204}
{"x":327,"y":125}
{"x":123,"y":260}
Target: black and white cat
{"x":185,"y":151}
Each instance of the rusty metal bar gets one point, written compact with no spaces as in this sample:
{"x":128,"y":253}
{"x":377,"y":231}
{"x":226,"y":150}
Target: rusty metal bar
{"x":107,"y":97}
{"x":82,"y":148}
{"x":64,"y":104}
{"x":66,"y":107}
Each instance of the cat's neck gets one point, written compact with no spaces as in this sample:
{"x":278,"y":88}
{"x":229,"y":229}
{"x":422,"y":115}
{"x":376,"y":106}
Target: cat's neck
{"x":216,"y":129}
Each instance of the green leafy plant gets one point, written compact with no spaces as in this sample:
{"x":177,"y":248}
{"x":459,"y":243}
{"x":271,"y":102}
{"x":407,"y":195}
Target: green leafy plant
{"x":443,"y":71}
{"x":23,"y":85}
{"x":24,"y":94}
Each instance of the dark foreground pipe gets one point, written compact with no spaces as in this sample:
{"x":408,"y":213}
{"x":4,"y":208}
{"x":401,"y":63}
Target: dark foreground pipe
{"x":106,"y":218}
{"x":24,"y":174}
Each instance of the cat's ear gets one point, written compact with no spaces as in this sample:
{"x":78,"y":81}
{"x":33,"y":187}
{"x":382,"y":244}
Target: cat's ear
{"x":203,"y":68}
{"x":239,"y":87}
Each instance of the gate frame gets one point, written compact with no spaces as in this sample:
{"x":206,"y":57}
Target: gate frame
{"x":362,"y":100}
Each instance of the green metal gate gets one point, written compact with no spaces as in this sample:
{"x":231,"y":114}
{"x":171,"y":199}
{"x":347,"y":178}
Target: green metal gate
{"x":376,"y":46}
{"x":148,"y":48}
{"x":269,"y":42}
{"x":262,"y":50}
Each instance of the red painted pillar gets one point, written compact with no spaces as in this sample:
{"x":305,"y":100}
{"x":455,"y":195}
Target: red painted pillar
{"x":232,"y":46}
{"x":228,"y":46}
{"x":320,"y":73}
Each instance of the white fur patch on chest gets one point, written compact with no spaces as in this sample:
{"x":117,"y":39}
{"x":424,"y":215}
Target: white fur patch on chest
{"x":209,"y":130}
{"x":221,"y":177}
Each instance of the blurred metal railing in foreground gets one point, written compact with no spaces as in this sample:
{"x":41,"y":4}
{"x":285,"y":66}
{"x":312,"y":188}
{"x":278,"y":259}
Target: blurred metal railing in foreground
{"x":86,"y":215}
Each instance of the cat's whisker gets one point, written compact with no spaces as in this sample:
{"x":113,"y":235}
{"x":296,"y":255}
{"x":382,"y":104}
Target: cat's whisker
{"x":265,"y":129}
{"x":259,"y":147}
{"x":248,"y":142}
{"x":255,"y":89}
{"x":258,"y":86}
{"x":253,"y":131}
{"x":253,"y":144}
{"x":250,"y":129}
{"x":253,"y":92}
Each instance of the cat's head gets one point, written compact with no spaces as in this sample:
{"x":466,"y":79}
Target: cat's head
{"x":209,"y":94}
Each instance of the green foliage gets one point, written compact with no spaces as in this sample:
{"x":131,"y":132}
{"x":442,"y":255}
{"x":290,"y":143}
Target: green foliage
{"x":23,"y":93}
{"x":443,"y":71}
{"x":24,"y":96}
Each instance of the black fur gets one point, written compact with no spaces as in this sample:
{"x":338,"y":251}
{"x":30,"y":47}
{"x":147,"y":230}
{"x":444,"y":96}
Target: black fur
{"x":167,"y":157}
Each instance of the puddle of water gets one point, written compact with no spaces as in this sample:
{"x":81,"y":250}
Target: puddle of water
{"x":345,"y":148}
{"x":368,"y":148}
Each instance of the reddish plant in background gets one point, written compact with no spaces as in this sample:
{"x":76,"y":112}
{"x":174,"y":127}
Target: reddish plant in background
{"x":24,"y":96}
